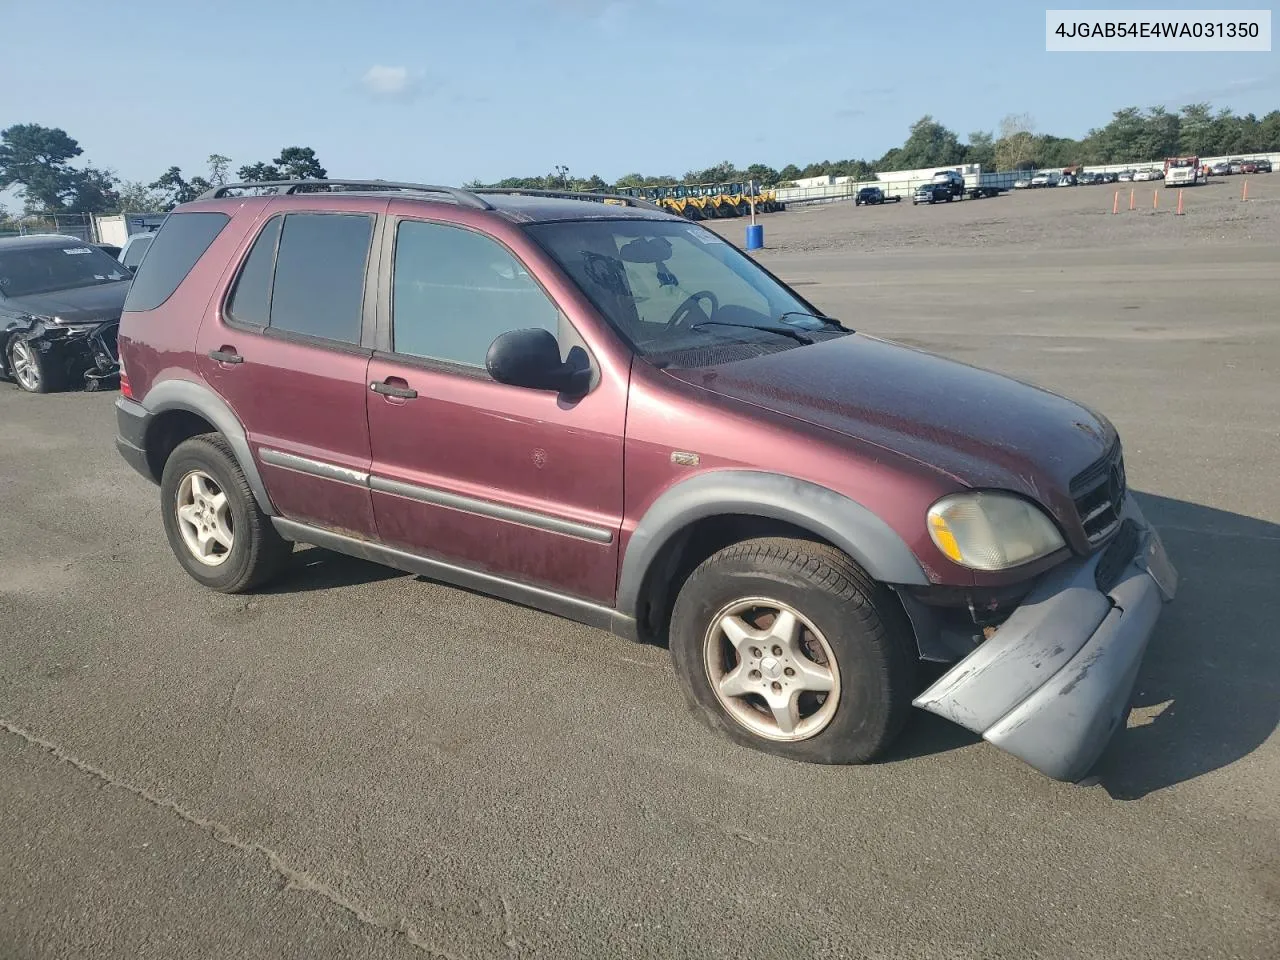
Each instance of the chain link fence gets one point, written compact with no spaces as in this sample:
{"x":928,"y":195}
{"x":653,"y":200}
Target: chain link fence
{"x":79,"y":225}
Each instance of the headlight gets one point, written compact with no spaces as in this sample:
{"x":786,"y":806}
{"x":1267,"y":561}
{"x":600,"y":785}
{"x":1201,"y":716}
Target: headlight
{"x":991,"y":531}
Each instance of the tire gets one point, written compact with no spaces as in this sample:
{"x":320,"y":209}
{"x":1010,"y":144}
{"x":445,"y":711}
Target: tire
{"x":256,"y":553}
{"x":846,"y":618}
{"x":31,"y":369}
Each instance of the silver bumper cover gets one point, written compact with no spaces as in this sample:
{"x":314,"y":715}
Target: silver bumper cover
{"x":1053,"y":684}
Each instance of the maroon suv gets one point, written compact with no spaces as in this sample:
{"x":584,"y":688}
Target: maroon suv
{"x":587,"y":405}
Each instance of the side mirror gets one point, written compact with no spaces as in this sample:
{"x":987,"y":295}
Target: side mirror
{"x":531,"y":358}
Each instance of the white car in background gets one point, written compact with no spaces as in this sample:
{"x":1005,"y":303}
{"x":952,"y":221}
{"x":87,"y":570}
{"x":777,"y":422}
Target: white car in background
{"x":1041,"y":180}
{"x":135,"y":247}
{"x":1146,"y":175}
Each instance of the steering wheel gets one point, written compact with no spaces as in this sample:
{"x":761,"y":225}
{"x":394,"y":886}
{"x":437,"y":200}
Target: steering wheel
{"x":685,"y":310}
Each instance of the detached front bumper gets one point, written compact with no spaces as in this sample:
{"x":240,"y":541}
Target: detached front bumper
{"x":1054,"y":682}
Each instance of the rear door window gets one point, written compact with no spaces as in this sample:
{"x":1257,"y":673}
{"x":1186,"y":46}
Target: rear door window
{"x":180,"y":242}
{"x":319,"y":275}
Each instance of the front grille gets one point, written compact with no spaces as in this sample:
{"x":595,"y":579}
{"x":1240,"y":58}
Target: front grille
{"x":1115,"y":559}
{"x":1098,"y":492}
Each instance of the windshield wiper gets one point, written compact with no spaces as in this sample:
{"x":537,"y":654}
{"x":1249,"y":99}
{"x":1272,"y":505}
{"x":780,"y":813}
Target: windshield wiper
{"x":789,"y":332}
{"x":829,"y":321}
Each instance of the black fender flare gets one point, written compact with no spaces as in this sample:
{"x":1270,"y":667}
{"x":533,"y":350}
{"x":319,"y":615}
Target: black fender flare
{"x":197,"y":398}
{"x":847,"y":524}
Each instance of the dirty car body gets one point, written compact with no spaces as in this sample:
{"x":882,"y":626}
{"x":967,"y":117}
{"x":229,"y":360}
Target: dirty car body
{"x":1045,"y":652}
{"x":679,"y":447}
{"x":60,"y":305}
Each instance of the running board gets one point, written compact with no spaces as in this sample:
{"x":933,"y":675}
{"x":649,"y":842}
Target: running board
{"x":540,"y":598}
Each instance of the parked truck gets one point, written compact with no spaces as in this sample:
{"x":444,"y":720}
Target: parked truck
{"x":974,"y":187}
{"x":116,"y":230}
{"x":1183,"y":172}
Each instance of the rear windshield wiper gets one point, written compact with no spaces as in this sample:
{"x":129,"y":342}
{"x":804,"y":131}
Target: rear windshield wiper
{"x":789,"y":332}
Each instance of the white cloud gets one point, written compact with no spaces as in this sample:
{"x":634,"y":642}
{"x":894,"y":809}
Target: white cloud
{"x":390,"y":83}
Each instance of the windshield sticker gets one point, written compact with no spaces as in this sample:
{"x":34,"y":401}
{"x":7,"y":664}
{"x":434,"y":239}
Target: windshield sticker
{"x":72,"y":251}
{"x":705,"y":236}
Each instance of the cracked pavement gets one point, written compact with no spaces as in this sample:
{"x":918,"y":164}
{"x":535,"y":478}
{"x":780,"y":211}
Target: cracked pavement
{"x":359,"y":763}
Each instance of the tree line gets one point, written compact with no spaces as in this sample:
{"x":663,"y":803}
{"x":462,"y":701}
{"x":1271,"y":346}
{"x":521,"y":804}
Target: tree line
{"x":38,"y":159}
{"x":1132,"y":135}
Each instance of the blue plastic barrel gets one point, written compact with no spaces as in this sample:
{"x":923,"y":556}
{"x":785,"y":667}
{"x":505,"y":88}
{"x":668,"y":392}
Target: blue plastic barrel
{"x":755,"y":236}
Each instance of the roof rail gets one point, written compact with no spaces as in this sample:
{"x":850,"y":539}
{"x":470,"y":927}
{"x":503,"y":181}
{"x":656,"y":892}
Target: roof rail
{"x":573,"y":195}
{"x":462,"y":197}
{"x":466,"y":198}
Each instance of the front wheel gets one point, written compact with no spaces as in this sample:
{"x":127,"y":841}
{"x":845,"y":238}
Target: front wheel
{"x":33,"y":370}
{"x":788,"y":647}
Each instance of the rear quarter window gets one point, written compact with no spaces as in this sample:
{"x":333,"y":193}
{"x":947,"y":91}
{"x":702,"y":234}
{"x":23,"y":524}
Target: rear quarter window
{"x":179,"y":243}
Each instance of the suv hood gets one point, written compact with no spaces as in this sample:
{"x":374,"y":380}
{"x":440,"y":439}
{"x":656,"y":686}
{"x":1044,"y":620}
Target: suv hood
{"x":981,"y":428}
{"x":80,"y":305}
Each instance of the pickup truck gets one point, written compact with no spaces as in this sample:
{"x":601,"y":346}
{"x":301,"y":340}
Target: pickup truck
{"x":957,"y":189}
{"x":873,"y":195}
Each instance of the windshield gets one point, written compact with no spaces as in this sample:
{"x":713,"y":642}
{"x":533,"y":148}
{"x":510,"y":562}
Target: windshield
{"x":49,"y":267}
{"x":679,"y":293}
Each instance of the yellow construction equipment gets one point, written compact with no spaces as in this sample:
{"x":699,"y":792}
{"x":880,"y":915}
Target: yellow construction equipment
{"x":707,"y":201}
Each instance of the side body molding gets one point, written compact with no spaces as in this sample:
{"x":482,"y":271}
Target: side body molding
{"x":846,"y":523}
{"x":198,"y":399}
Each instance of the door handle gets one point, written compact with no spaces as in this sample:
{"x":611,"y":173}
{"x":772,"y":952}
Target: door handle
{"x":226,"y":355}
{"x":388,"y":389}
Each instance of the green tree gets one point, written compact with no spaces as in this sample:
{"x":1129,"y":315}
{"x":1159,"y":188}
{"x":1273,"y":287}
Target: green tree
{"x":723,"y":172}
{"x":1160,"y":135}
{"x":1269,"y":131}
{"x":593,"y":184}
{"x":763,"y":175}
{"x":134,"y":196}
{"x":981,"y":148}
{"x":1015,"y":150}
{"x":929,"y":144}
{"x":1198,"y":135}
{"x":92,"y":191}
{"x":557,"y":179}
{"x":218,"y":166}
{"x":259,"y":172}
{"x":35,"y":158}
{"x":174,"y":189}
{"x":299,"y":163}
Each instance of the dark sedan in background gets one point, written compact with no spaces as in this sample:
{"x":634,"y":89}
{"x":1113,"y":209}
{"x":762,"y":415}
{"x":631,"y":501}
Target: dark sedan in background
{"x":60,"y":304}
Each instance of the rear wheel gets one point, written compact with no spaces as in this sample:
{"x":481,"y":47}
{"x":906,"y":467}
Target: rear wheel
{"x":788,"y":647}
{"x":214,"y":525}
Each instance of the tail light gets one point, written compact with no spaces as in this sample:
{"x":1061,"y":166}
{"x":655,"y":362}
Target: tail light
{"x":126,"y":390}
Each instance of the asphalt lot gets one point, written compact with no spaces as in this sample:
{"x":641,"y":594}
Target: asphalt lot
{"x":358,"y":763}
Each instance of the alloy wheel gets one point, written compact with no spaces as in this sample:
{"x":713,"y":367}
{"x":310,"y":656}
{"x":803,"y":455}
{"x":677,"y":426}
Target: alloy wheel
{"x":204,"y":518}
{"x":771,"y":669}
{"x":26,"y":368}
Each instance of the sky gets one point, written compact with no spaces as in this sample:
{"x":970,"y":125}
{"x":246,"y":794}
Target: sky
{"x":453,"y":90}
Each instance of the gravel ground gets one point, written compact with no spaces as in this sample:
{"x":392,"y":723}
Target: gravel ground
{"x":1041,"y":221}
{"x":356,"y":763}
